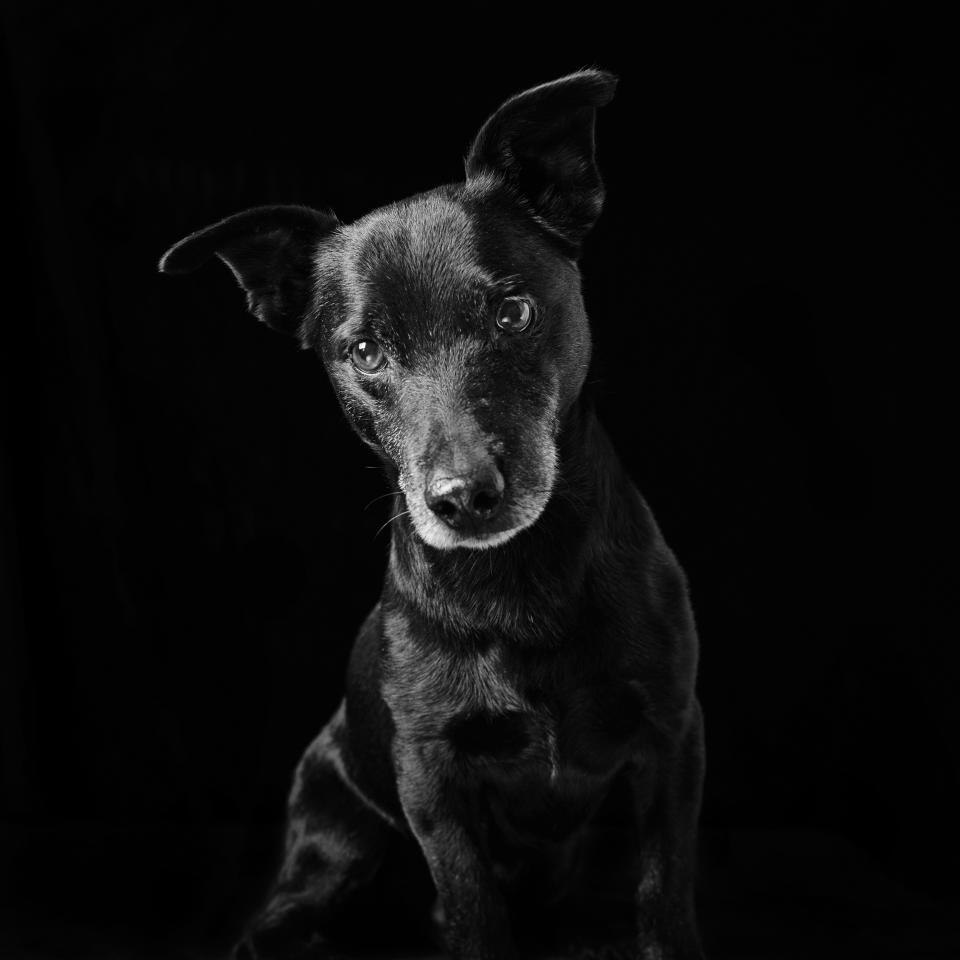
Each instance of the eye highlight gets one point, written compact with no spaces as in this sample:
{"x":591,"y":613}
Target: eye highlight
{"x":514,"y":314}
{"x":367,"y":356}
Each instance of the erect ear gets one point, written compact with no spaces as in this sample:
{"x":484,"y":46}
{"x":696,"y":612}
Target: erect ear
{"x":541,"y":142}
{"x":270,"y":251}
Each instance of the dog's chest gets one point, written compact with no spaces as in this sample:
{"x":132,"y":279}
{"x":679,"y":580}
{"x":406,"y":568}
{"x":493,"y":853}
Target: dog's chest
{"x":505,"y":724}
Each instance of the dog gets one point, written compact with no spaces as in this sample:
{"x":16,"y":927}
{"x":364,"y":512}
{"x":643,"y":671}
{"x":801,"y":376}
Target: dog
{"x":520,"y":723}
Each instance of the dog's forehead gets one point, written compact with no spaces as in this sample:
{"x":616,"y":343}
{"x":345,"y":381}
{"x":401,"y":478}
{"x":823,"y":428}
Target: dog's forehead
{"x":417,"y":256}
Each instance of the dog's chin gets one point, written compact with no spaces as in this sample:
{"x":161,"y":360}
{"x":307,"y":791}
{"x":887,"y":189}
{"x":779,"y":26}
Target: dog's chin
{"x":438,"y":535}
{"x":447,"y":539}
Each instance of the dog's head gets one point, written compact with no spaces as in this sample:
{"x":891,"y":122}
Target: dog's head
{"x":451,"y":323}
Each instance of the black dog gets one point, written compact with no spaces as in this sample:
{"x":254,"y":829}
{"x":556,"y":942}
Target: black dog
{"x":520,"y":709}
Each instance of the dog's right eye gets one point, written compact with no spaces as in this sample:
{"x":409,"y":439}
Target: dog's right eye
{"x":514,"y":315}
{"x":367,"y":356}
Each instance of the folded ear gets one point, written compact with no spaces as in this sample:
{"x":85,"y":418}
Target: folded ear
{"x":270,"y":251}
{"x":541,"y":142}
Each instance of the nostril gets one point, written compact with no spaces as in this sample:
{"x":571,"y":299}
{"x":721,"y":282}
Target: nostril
{"x":484,"y":502}
{"x":445,"y":509}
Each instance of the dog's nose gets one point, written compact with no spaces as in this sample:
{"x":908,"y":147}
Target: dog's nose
{"x":466,"y":500}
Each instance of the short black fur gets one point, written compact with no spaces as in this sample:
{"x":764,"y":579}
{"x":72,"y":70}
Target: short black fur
{"x":520,"y":717}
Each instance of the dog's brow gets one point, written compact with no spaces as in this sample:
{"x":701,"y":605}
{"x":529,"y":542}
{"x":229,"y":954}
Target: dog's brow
{"x":506,"y":285}
{"x":349,"y":330}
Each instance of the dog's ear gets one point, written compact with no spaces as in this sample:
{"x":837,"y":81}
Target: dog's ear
{"x":541,"y":142}
{"x":270,"y":251}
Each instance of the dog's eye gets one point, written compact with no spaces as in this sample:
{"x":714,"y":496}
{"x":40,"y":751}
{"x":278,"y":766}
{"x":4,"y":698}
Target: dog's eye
{"x":515,"y":314}
{"x":367,"y":355}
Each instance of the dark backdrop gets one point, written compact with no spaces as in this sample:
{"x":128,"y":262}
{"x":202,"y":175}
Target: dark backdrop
{"x":186,"y":550}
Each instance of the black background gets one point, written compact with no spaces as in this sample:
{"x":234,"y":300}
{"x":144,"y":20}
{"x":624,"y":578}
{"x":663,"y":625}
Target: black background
{"x":185,"y":546}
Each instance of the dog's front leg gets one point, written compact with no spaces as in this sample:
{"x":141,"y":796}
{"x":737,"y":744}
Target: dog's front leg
{"x":475,"y":923}
{"x":335,"y":841}
{"x":667,"y":919}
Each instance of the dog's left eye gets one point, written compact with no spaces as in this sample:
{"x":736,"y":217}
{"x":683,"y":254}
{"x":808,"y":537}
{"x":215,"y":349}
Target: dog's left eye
{"x":515,"y":314}
{"x":367,"y":355}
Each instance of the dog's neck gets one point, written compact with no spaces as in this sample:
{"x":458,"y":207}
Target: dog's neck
{"x":530,"y":589}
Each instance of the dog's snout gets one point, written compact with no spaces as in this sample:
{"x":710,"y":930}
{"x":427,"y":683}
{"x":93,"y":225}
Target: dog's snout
{"x":468,"y":499}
